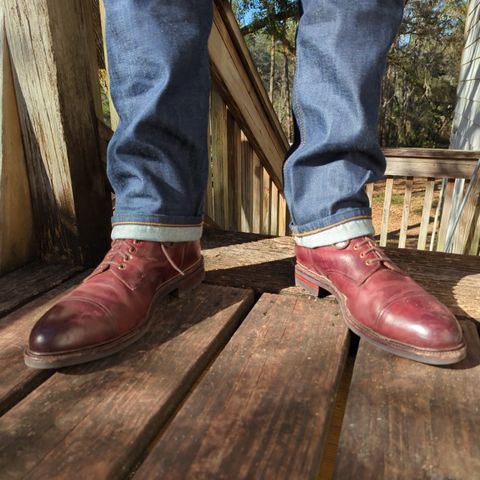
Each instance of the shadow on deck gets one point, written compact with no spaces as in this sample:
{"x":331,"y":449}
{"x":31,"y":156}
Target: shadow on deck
{"x":246,"y":378}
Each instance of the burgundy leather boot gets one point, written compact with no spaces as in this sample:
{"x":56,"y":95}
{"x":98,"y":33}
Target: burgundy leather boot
{"x":380,"y":302}
{"x":109,"y":310}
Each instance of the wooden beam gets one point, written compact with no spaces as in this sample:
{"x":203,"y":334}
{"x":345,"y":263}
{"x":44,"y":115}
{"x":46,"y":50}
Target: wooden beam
{"x":50,"y":54}
{"x":16,"y":220}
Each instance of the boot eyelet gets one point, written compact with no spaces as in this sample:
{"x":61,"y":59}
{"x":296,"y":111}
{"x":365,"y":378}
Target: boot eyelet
{"x":132,"y":249}
{"x":367,"y":263}
{"x":122,"y":266}
{"x":355,"y":247}
{"x":362,"y":255}
{"x":127,"y":258}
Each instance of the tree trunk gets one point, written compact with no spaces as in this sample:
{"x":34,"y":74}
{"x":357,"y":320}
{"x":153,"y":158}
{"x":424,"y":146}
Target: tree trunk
{"x":272,"y":68}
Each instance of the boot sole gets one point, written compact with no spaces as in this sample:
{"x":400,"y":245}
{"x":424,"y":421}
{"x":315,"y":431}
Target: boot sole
{"x":180,"y":285}
{"x":314,"y":283}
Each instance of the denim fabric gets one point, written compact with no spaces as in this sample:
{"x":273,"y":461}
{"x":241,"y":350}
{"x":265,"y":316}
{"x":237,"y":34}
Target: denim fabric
{"x":159,"y":73}
{"x":157,"y":159}
{"x":341,"y":54}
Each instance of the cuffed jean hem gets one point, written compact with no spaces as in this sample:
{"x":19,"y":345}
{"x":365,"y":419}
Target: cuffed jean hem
{"x":345,"y":231}
{"x":187,"y":233}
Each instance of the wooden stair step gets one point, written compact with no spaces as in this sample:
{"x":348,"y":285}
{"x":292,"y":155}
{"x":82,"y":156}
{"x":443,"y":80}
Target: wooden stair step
{"x":95,"y":420}
{"x":409,"y":420}
{"x":17,"y":380}
{"x":263,"y":408}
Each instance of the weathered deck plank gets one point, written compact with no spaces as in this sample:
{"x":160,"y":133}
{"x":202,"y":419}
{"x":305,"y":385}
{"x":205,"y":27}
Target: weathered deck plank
{"x":95,"y":420}
{"x":16,"y":380}
{"x":20,"y":286}
{"x":263,"y":408}
{"x":409,"y":420}
{"x":266,"y":265}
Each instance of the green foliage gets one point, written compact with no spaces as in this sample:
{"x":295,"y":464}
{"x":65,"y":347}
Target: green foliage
{"x":419,"y":88}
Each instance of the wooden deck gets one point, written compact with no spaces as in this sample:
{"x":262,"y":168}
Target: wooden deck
{"x":245,"y":378}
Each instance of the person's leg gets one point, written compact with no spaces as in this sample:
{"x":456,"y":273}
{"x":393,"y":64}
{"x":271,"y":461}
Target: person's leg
{"x":341,"y":52}
{"x":159,"y":75}
{"x":157,"y":164}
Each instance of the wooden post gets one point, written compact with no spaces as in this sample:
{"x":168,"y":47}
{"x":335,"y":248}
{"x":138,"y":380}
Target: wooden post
{"x":16,"y":223}
{"x":219,"y":153}
{"x":49,"y":47}
{"x":234,"y":172}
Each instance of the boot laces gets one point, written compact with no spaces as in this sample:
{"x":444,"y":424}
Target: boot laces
{"x":378,"y":254}
{"x":122,"y":250}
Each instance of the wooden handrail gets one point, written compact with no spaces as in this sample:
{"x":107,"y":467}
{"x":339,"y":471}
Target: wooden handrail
{"x":423,"y":162}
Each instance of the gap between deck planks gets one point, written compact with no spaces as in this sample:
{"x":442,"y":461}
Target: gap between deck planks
{"x":263,"y":408}
{"x":95,"y":420}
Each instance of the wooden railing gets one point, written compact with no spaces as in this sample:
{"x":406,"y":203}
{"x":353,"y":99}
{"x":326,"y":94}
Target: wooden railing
{"x":427,"y":176}
{"x":55,"y":202}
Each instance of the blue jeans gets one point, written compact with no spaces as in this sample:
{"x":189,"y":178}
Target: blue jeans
{"x":159,"y":73}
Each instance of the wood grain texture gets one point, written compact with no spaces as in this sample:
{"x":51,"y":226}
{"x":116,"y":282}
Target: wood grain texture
{"x":17,"y":380}
{"x":219,"y":159}
{"x":266,"y":203}
{"x":247,"y":191}
{"x":426,"y":167}
{"x":283,"y":216}
{"x":94,"y":421}
{"x":16,"y":219}
{"x":232,"y":75}
{"x":234,"y":143}
{"x":433,"y":153}
{"x":446,"y":212}
{"x":274,"y":387}
{"x":474,"y":247}
{"x":266,"y":265}
{"x":466,"y":224}
{"x":426,"y":213}
{"x":226,"y":13}
{"x":405,"y":212}
{"x":274,"y":210}
{"x":26,"y":283}
{"x":256,"y":194}
{"x":49,"y":51}
{"x":409,"y":420}
{"x":369,"y":191}
{"x":387,"y":202}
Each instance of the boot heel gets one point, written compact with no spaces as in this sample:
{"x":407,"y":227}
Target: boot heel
{"x":307,"y":286}
{"x":189,"y":283}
